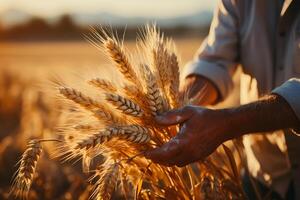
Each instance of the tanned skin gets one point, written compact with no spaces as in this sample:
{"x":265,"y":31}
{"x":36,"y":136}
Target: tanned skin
{"x":203,"y":130}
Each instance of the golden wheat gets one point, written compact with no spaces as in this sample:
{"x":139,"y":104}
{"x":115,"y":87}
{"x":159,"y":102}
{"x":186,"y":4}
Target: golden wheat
{"x":98,"y":138}
{"x":124,"y":128}
{"x":103,"y":84}
{"x":136,"y":134}
{"x":153,"y":94}
{"x":125,"y":105}
{"x":118,"y":55}
{"x":107,"y":182}
{"x":99,"y":110}
{"x":173,"y":87}
{"x":27,"y":169}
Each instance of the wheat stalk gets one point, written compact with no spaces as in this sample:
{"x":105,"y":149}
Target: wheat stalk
{"x":107,"y":182}
{"x":160,"y":64}
{"x":124,"y":128}
{"x":125,"y":105}
{"x":98,"y":138}
{"x":153,"y":94}
{"x":173,"y":88}
{"x":136,"y":134}
{"x":79,"y":98}
{"x":103,"y":84}
{"x":99,"y":110}
{"x":132,"y":133}
{"x":118,"y":55}
{"x":27,"y":168}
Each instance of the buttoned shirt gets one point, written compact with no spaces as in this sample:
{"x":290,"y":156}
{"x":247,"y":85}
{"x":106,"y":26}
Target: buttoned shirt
{"x":247,"y":33}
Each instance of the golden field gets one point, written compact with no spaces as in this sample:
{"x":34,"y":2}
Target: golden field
{"x":29,"y":107}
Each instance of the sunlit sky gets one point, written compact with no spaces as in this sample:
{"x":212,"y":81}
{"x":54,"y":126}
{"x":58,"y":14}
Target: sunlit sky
{"x":147,"y":8}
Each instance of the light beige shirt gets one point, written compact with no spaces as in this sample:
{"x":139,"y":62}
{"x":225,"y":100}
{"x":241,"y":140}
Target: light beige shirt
{"x":244,"y":32}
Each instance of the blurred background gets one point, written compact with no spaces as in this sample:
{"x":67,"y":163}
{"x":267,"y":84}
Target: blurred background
{"x":40,"y":39}
{"x":49,"y":34}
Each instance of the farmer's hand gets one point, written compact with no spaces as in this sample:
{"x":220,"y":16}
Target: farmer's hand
{"x":199,"y":90}
{"x":202,"y":131}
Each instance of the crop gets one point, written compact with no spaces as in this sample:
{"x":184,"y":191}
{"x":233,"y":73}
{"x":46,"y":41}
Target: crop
{"x":110,"y":130}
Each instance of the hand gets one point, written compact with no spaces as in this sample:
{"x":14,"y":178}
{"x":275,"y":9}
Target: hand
{"x":199,"y":90}
{"x":202,"y":131}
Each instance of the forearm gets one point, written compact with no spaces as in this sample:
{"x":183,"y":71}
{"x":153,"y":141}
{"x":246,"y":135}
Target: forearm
{"x":269,"y":114}
{"x":200,"y":90}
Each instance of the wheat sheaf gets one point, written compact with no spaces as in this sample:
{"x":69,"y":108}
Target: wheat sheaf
{"x":124,"y":128}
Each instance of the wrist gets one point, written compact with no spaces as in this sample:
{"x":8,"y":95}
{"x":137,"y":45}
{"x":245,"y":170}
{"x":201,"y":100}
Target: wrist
{"x":236,"y":122}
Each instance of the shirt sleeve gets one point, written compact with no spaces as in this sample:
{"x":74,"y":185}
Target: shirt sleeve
{"x":290,"y":91}
{"x":217,"y":57}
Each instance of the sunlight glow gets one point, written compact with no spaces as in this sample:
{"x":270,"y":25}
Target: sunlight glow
{"x":154,"y":8}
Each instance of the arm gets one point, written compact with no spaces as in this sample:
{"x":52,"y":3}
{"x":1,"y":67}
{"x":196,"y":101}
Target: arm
{"x":203,"y":130}
{"x":217,"y":57}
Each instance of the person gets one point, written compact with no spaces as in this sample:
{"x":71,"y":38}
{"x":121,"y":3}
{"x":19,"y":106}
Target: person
{"x":263,"y":37}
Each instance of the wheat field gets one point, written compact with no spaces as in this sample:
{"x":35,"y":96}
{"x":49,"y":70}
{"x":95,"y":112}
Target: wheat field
{"x":31,"y":110}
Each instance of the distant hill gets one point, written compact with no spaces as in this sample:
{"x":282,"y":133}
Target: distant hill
{"x":20,"y":26}
{"x":14,"y":17}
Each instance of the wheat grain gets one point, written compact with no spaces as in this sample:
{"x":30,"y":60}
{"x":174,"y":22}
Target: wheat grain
{"x":125,"y":105}
{"x":27,"y":168}
{"x":103,"y":84}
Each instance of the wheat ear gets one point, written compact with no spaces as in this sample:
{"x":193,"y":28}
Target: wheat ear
{"x":25,"y":173}
{"x":103,"y":84}
{"x":132,"y":133}
{"x":118,"y":55}
{"x":153,"y":95}
{"x":173,"y":88}
{"x":98,"y":138}
{"x":107,"y":182}
{"x":136,"y":134}
{"x":160,"y":61}
{"x":99,"y":111}
{"x":125,"y":105}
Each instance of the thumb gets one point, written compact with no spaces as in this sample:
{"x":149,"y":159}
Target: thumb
{"x":174,"y":117}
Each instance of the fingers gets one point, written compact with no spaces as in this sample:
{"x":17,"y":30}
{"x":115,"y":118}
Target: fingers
{"x":165,"y":153}
{"x":174,"y":117}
